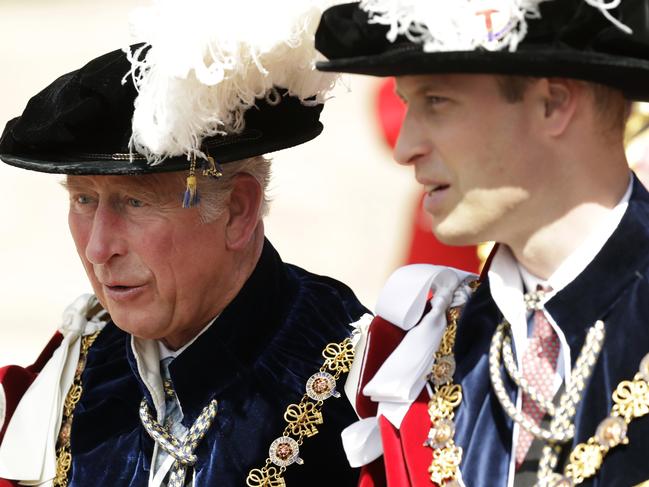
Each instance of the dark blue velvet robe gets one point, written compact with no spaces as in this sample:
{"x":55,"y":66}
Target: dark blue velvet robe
{"x":255,"y":360}
{"x":614,"y":288}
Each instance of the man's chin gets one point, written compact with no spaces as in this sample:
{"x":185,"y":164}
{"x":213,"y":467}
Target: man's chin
{"x":456,"y":235}
{"x":140,"y":325}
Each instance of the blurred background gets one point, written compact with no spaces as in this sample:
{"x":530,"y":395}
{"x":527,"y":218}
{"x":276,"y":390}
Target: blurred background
{"x":341,"y":206}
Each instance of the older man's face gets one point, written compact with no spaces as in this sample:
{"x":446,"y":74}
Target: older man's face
{"x":156,"y":268}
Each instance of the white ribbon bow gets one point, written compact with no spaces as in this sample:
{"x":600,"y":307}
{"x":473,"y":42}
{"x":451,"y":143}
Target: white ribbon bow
{"x":28,"y":451}
{"x":403,"y":375}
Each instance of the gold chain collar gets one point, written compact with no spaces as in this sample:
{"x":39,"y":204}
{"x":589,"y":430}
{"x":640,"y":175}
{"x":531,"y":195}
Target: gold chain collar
{"x":63,"y":453}
{"x":445,"y":398}
{"x":302,"y":418}
{"x":630,"y":398}
{"x":630,"y":402}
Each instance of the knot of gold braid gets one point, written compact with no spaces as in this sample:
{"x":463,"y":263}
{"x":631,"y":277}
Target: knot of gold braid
{"x":181,"y":450}
{"x":561,"y":428}
{"x":302,"y":418}
{"x":445,"y":397}
{"x":63,"y":453}
{"x":630,"y":401}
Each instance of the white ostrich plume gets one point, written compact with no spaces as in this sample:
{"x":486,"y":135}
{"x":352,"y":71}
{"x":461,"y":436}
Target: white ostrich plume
{"x":209,"y":60}
{"x":465,"y":25}
{"x":457,"y":25}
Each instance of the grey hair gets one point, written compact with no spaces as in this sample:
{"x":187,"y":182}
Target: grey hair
{"x":214,"y":193}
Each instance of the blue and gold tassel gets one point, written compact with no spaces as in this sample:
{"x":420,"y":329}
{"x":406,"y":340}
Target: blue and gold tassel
{"x":191,"y":197}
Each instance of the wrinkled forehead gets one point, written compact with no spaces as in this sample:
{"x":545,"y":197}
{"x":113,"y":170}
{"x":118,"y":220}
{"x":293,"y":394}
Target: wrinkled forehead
{"x":161,"y":184}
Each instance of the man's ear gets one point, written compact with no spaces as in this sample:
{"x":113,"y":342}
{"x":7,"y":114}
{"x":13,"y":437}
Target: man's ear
{"x":243,"y":211}
{"x":559,"y":97}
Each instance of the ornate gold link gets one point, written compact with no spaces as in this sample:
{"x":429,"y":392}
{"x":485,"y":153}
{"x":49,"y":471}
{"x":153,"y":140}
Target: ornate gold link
{"x":584,"y":461}
{"x":303,"y":418}
{"x":445,"y":464}
{"x":63,"y":464}
{"x":72,"y":398}
{"x":338,"y":357}
{"x":265,"y":477}
{"x":444,"y":401}
{"x":448,"y":340}
{"x":631,"y":399}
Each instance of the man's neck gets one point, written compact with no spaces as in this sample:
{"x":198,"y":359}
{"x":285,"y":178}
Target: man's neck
{"x":549,"y":245}
{"x":235,"y":276}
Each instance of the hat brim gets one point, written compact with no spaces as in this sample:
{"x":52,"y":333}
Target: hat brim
{"x":248,"y":144}
{"x":630,"y":75}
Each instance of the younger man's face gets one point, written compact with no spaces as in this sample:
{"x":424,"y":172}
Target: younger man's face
{"x":469,"y":148}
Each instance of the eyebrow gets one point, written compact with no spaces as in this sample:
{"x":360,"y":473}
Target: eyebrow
{"x":146,"y":191}
{"x":72,"y":185}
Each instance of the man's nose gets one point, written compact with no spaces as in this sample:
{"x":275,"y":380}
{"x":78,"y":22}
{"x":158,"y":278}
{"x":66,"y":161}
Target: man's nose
{"x":411,"y":144}
{"x":106,"y":238}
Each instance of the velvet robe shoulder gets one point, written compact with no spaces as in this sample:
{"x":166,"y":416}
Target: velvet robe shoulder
{"x":254,"y":360}
{"x":614,"y":288}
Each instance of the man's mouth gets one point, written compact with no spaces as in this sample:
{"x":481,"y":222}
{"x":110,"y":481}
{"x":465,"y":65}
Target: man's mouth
{"x":122,"y":292}
{"x":438,"y":187}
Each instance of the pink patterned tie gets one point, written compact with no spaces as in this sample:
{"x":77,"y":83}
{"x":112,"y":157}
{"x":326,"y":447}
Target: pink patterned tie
{"x":539,"y":367}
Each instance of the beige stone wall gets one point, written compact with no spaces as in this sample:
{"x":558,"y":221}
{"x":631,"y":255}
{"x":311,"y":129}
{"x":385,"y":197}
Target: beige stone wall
{"x":341,"y":207}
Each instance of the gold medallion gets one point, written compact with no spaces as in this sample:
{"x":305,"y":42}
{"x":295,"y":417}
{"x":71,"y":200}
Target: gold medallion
{"x":285,"y":451}
{"x":443,"y":370}
{"x":611,"y":432}
{"x":321,"y":386}
{"x":440,"y":434}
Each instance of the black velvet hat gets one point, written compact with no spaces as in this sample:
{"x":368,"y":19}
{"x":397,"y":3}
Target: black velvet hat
{"x":81,"y":124}
{"x":586,"y":40}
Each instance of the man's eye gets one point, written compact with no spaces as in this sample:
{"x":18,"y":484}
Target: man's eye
{"x":82,"y":199}
{"x":435,"y":100}
{"x":135,"y":203}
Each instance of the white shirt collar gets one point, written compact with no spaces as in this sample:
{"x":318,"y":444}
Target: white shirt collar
{"x":165,"y":352}
{"x":507,"y":278}
{"x":148,"y":354}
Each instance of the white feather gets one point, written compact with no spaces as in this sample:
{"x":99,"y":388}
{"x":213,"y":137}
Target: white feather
{"x":457,"y":25}
{"x":208,"y":62}
{"x":460,"y":25}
